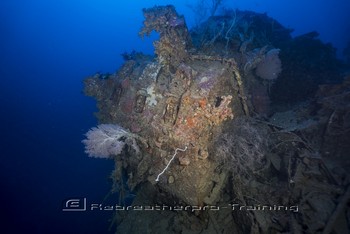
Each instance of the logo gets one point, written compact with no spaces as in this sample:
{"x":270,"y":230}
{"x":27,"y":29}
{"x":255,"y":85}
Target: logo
{"x":74,"y":204}
{"x":80,"y":204}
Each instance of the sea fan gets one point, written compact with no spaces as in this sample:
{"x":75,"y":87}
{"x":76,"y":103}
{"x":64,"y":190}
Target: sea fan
{"x":270,"y":67}
{"x":108,"y":140}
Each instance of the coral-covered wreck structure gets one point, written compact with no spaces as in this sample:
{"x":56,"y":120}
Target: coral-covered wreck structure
{"x":197,"y":132}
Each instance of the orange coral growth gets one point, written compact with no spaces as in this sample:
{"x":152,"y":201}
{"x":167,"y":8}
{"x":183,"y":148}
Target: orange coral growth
{"x":191,"y":122}
{"x":202,"y":103}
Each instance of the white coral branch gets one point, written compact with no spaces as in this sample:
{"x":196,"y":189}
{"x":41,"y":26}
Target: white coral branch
{"x":172,"y":158}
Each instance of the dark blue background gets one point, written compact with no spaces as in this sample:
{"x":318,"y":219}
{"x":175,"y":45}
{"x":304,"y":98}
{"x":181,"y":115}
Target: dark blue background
{"x":47,"y":48}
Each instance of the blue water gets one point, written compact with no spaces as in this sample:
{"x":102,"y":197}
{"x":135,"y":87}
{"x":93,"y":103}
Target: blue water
{"x":47,"y":48}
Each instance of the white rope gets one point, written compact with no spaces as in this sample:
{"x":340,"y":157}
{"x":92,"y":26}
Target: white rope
{"x":172,"y":158}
